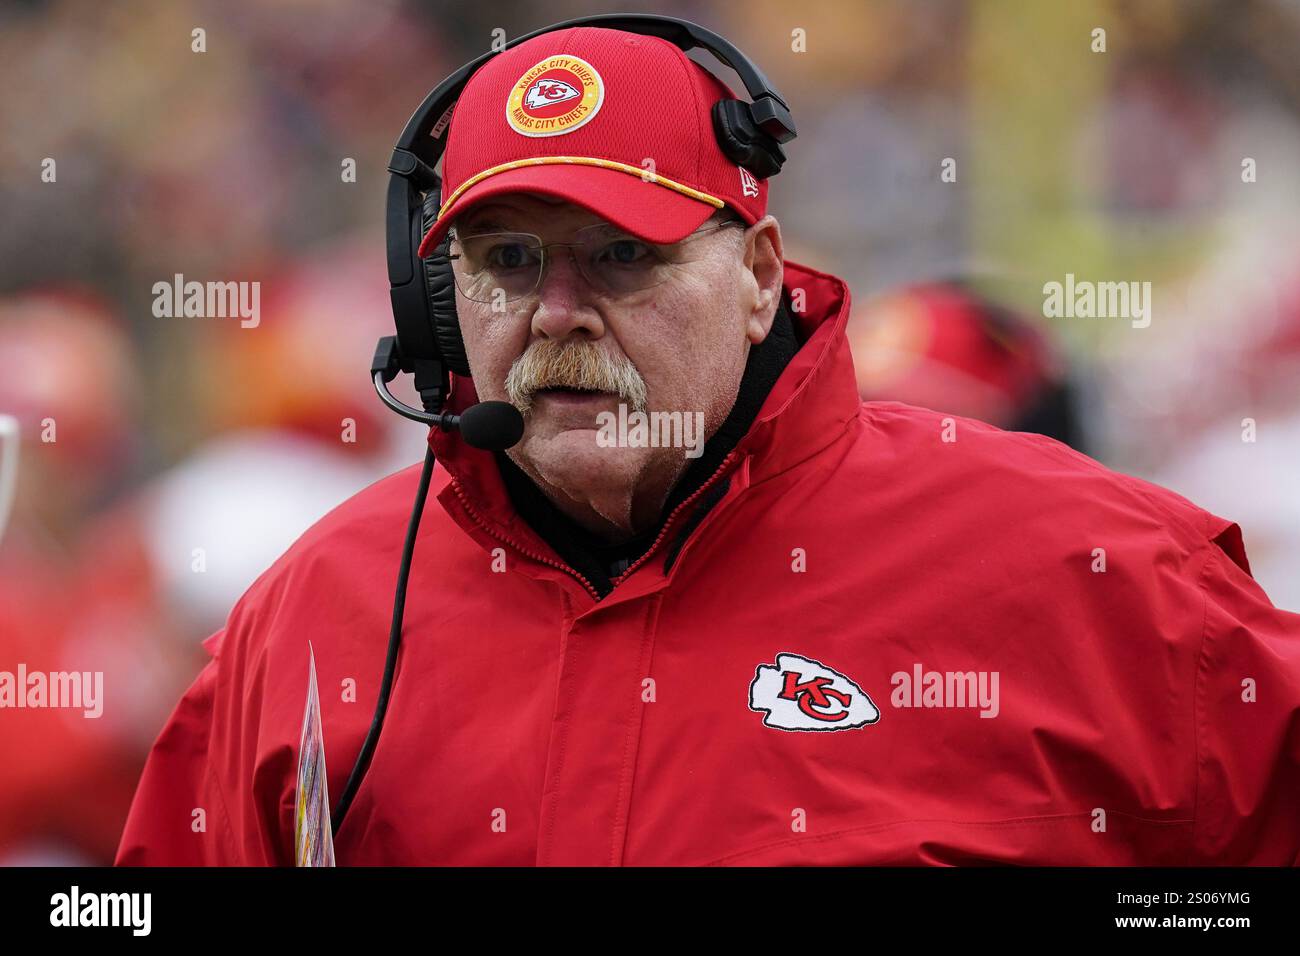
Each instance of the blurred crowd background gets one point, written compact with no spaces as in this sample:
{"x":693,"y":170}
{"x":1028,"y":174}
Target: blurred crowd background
{"x":176,"y":434}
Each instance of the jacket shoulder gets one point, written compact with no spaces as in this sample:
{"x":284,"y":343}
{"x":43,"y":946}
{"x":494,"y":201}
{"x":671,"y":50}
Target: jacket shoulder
{"x":1021,"y":476}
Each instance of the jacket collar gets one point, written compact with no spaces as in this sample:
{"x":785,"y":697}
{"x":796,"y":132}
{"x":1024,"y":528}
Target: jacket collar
{"x":811,"y":404}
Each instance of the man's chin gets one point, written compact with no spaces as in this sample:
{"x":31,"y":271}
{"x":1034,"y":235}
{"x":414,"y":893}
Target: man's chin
{"x":574,"y":456}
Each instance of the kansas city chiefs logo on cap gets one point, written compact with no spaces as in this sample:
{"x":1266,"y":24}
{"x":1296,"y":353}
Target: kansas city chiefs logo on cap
{"x":548,"y":93}
{"x":555,"y":96}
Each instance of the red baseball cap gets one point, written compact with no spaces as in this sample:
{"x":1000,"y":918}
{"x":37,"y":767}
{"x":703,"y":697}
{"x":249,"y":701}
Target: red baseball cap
{"x":616,"y":122}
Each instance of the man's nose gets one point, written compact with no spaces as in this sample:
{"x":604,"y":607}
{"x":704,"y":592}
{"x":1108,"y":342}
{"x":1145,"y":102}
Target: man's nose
{"x":565,"y":300}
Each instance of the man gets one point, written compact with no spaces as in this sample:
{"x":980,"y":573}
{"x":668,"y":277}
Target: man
{"x":833,"y":632}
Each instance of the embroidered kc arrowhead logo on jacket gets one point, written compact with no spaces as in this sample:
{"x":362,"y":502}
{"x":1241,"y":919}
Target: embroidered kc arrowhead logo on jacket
{"x":803,"y":694}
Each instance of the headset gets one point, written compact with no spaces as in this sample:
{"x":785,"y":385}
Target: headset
{"x":428,"y":343}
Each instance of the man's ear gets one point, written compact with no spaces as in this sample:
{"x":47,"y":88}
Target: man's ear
{"x":765,"y":261}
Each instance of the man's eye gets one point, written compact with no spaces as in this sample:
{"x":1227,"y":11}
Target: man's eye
{"x":626,"y":252}
{"x":508,"y":255}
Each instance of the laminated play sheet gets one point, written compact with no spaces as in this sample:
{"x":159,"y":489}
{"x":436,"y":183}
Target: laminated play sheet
{"x":312,"y":834}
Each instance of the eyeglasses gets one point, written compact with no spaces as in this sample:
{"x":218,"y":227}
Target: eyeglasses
{"x":507,"y":266}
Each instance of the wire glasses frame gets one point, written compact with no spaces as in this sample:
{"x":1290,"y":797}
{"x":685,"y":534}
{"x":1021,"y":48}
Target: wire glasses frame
{"x":485,"y":278}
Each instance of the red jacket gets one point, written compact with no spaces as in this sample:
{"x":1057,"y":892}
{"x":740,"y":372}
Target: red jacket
{"x":897,"y":638}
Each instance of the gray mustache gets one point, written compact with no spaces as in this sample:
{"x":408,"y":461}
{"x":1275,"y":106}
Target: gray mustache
{"x":573,"y":364}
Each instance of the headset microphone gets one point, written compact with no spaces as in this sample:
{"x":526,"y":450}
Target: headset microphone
{"x":494,"y":426}
{"x":490,"y":425}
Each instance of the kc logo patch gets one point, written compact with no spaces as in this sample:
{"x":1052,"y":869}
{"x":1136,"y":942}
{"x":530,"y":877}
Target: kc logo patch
{"x":799,"y":693}
{"x":556,"y":96}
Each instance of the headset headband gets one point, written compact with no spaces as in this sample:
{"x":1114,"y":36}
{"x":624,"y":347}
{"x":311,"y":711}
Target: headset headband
{"x":769,"y":108}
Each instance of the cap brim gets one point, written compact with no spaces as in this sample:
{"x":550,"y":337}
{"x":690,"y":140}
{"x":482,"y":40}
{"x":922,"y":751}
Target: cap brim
{"x":650,"y":210}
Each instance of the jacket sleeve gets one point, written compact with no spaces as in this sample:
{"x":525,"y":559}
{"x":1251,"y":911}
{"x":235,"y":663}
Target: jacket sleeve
{"x":178,"y":816}
{"x":1247,"y":713}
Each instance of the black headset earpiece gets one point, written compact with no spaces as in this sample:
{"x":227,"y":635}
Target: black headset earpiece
{"x":440,"y":282}
{"x":423,"y":293}
{"x":743,"y":141}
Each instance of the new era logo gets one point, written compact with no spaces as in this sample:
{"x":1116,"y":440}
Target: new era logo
{"x":748,"y":184}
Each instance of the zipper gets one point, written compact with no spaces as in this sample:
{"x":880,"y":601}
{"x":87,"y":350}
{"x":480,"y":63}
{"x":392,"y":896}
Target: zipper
{"x":654,"y":545}
{"x":464,"y":501}
{"x":663,"y":532}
